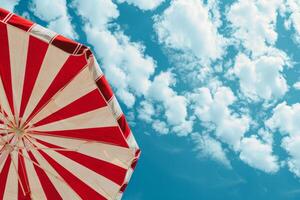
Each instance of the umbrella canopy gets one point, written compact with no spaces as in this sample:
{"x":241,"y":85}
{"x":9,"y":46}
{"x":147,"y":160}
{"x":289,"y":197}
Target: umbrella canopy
{"x":62,"y":132}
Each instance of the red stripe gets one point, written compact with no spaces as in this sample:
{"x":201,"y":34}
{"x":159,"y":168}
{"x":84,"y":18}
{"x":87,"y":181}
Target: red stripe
{"x":20,"y":22}
{"x":110,"y":135}
{"x":65,"y":44}
{"x":81,"y":50}
{"x":5,"y":71}
{"x":124,"y":126}
{"x":133,"y":164}
{"x":138,"y":153}
{"x":83,"y":190}
{"x":89,"y":102}
{"x":105,"y":88}
{"x":3,"y":176}
{"x":69,"y":70}
{"x":3,"y":13}
{"x":48,"y":187}
{"x":23,"y":179}
{"x":110,"y":171}
{"x":122,"y":189}
{"x":36,"y":52}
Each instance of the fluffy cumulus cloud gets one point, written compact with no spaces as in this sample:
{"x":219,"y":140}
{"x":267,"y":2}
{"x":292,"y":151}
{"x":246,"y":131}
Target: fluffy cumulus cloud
{"x":285,"y":119}
{"x":292,"y":9}
{"x":146,"y":111}
{"x":258,"y":155}
{"x":89,"y":10}
{"x":143,"y":4}
{"x":292,"y":145}
{"x":254,"y":23}
{"x":261,"y":78}
{"x":9,"y":4}
{"x":160,"y":126}
{"x":209,"y":147}
{"x":187,"y":26}
{"x":175,"y":105}
{"x":297,"y":85}
{"x":59,"y":20}
{"x":212,"y":108}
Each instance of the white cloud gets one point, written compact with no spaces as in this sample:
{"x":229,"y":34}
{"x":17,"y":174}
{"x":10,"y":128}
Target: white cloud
{"x":187,"y":26}
{"x":146,"y":111}
{"x":89,"y":10}
{"x":254,"y":23}
{"x":297,"y":85}
{"x":285,"y":118}
{"x":292,"y":146}
{"x":9,"y":4}
{"x":57,"y":16}
{"x":266,"y":136}
{"x":292,"y":9}
{"x":63,"y":26}
{"x":211,"y":148}
{"x":261,"y":78}
{"x":175,"y":106}
{"x":258,"y":155}
{"x":160,"y":126}
{"x":212,"y":108}
{"x":143,"y":4}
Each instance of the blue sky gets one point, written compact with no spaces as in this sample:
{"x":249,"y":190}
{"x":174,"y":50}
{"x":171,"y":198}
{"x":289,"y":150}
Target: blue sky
{"x":211,"y":89}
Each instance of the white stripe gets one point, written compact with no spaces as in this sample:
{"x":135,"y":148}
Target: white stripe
{"x":35,"y":186}
{"x":42,"y":33}
{"x":77,"y":48}
{"x":3,"y":157}
{"x":4,"y":102}
{"x":116,"y":155}
{"x":132,"y":142}
{"x":101,"y":117}
{"x":52,"y":63}
{"x":60,"y":185}
{"x":11,"y":189}
{"x":115,"y":107}
{"x":119,"y":196}
{"x":4,"y":139}
{"x":100,"y":184}
{"x":6,"y":151}
{"x":81,"y":85}
{"x":95,"y":69}
{"x":18,"y":44}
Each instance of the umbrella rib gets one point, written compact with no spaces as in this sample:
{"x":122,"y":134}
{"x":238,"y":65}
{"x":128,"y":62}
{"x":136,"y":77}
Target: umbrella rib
{"x":67,"y":150}
{"x":74,"y":138}
{"x":78,"y":149}
{"x":5,"y":120}
{"x":15,"y":168}
{"x":54,"y":149}
{"x":38,"y":165}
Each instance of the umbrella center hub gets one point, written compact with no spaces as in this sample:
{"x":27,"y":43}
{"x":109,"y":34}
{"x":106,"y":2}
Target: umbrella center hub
{"x":18,"y":131}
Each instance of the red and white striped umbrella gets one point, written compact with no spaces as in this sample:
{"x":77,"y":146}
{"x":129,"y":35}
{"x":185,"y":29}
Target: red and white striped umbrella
{"x":62,"y":132}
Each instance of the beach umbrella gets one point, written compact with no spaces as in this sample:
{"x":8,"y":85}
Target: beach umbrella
{"x":62,"y":132}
